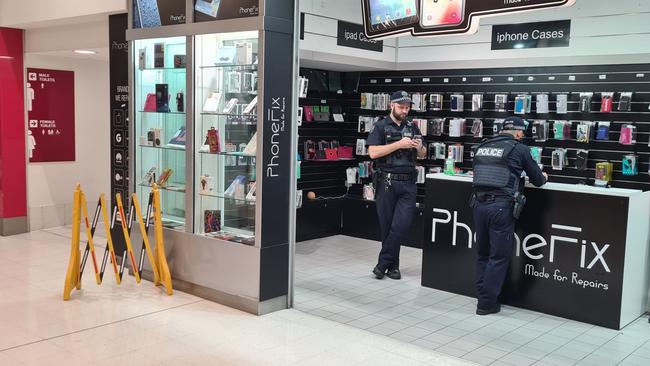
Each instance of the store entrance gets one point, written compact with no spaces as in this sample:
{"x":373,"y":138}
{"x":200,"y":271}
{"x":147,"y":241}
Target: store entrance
{"x":337,"y":227}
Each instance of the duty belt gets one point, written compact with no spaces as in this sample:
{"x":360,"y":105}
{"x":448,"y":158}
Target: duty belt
{"x":489,"y":197}
{"x":400,"y":176}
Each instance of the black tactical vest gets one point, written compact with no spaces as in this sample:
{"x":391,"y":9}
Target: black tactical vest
{"x":403,"y":159}
{"x":491,"y":169}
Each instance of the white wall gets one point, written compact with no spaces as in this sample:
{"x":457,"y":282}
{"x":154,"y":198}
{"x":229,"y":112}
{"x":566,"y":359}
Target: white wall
{"x":50,"y":185}
{"x":319,"y":48}
{"x":39,"y":13}
{"x":602,"y":31}
{"x":87,"y":36}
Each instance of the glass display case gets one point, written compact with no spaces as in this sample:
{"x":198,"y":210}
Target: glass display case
{"x":225,"y":131}
{"x":160,"y":124}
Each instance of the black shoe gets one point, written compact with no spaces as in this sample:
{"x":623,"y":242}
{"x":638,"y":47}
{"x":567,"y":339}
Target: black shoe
{"x":394,"y":274}
{"x":493,"y":310}
{"x":378,"y":272}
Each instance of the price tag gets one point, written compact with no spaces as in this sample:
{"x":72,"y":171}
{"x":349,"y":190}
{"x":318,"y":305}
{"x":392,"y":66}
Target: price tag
{"x":602,"y":77}
{"x":373,"y":81}
{"x":388,"y":80}
{"x":407,"y":80}
{"x":531,"y":78}
{"x":640,"y":75}
{"x":511,"y":78}
{"x":572,"y":78}
{"x":487,"y":80}
{"x":426,"y":80}
{"x":551,"y":78}
{"x":445,"y":80}
{"x":323,"y":101}
{"x":464,"y":79}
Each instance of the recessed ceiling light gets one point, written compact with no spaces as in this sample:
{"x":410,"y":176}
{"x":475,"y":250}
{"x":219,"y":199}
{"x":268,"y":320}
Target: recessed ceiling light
{"x":85,"y":52}
{"x":6,"y":58}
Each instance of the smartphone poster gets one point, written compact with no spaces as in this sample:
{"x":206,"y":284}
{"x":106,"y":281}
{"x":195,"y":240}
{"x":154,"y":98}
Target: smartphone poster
{"x":209,"y":10}
{"x":389,"y":18}
{"x":156,"y":13}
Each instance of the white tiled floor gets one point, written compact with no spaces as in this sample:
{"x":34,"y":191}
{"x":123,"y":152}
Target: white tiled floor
{"x":139,"y":325}
{"x":333,"y":280}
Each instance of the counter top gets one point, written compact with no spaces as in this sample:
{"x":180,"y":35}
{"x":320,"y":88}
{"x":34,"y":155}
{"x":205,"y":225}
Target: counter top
{"x":579,"y":188}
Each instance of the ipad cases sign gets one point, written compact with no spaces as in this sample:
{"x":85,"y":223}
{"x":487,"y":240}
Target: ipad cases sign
{"x":50,"y":115}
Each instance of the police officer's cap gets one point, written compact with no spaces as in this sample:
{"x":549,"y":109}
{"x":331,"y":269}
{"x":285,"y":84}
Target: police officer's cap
{"x":514,"y":123}
{"x":401,"y":97}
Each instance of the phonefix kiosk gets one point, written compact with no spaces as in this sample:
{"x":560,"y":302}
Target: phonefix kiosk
{"x":581,"y":252}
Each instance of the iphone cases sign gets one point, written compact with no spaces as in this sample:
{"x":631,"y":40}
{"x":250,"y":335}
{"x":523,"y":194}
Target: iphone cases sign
{"x":386,"y":18}
{"x":50,"y":115}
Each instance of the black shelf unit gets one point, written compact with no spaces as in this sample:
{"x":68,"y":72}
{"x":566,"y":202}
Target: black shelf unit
{"x":570,"y":80}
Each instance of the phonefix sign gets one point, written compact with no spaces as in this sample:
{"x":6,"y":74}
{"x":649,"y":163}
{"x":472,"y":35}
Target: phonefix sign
{"x":563,"y":261}
{"x":389,"y":18}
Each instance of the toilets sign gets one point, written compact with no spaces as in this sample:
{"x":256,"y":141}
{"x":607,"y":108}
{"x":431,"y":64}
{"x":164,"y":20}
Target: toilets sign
{"x":51,"y":115}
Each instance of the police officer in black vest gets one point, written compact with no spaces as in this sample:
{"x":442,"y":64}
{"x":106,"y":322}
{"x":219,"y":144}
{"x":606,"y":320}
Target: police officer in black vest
{"x":497,"y":202}
{"x":394,"y":143}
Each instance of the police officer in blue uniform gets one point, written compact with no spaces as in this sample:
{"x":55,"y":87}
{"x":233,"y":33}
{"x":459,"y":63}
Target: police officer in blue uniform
{"x":497,"y":201}
{"x":394,"y":143}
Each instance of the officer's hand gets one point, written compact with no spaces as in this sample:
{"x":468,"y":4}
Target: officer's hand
{"x":417,"y":144}
{"x":405,"y":143}
{"x":545,"y":175}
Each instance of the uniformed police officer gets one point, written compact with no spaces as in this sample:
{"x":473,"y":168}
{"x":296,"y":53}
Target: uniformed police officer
{"x":497,"y":201}
{"x":394,"y":144}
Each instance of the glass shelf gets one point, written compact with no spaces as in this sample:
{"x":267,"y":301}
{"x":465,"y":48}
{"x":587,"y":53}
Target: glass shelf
{"x":227,"y":114}
{"x":163,"y":147}
{"x":229,"y":153}
{"x":243,"y":66}
{"x":173,"y":113}
{"x":177,"y":189}
{"x":163,"y":69}
{"x":233,"y":218}
{"x":170,"y":83}
{"x":223,"y":196}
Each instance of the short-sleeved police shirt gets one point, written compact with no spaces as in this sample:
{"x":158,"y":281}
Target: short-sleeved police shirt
{"x":378,"y":137}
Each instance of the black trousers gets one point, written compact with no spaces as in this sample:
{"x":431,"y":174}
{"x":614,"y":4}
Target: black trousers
{"x":495,"y":232}
{"x":395,"y":209}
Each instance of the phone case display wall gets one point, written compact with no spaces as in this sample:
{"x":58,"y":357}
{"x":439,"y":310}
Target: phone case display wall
{"x":160,"y":89}
{"x":578,"y":117}
{"x":226,"y":135}
{"x":331,"y":143}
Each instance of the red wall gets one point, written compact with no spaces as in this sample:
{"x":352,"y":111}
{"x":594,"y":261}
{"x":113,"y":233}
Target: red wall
{"x":13,"y":183}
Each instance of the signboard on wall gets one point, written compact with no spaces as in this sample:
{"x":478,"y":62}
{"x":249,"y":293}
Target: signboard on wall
{"x":208,"y":10}
{"x":352,"y":35}
{"x":156,"y":13}
{"x":50,"y":115}
{"x":384,"y":18}
{"x":119,"y":102}
{"x":531,"y":35}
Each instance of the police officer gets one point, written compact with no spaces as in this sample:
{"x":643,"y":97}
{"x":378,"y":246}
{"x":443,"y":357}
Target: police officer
{"x":497,"y":201}
{"x":394,"y":144}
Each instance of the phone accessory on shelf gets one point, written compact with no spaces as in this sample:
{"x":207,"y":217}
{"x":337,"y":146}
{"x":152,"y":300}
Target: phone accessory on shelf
{"x":606,"y":102}
{"x":582,"y":158}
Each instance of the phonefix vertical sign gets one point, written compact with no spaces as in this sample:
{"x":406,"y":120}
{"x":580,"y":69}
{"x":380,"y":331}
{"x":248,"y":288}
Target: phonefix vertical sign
{"x":50,"y":115}
{"x":119,"y":94}
{"x":432,"y":18}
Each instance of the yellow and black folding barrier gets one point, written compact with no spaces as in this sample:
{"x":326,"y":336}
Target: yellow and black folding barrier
{"x":76,"y":265}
